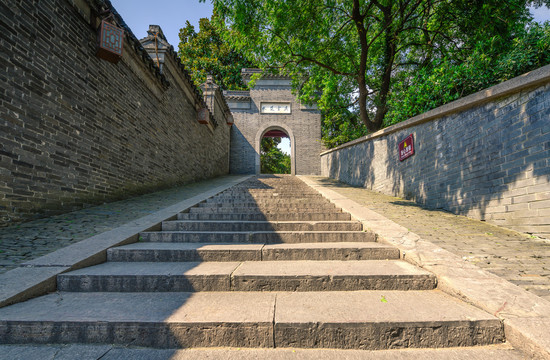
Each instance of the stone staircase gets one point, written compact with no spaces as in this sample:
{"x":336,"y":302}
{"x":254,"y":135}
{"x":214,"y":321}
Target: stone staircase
{"x":267,"y":263}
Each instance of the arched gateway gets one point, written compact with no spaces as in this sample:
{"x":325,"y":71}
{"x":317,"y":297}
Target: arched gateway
{"x":266,"y":110}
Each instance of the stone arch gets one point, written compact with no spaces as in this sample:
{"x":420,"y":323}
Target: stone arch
{"x":271,"y":105}
{"x":260,"y":134}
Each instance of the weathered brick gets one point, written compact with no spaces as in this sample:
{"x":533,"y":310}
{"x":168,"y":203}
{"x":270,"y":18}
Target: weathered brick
{"x":464,"y":162}
{"x":72,"y":129}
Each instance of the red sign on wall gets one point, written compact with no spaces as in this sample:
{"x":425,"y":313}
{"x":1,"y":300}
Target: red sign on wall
{"x":406,"y":148}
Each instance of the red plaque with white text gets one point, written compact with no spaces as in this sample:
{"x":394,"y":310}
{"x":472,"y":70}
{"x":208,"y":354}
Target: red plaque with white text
{"x":406,"y":148}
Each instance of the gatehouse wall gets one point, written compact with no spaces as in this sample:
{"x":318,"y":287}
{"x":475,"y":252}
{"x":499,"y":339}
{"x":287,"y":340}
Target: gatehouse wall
{"x":76,"y":129}
{"x":302,"y":125}
{"x":486,"y":156}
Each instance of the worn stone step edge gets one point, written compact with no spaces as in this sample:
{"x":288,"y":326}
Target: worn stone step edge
{"x":247,"y":276}
{"x":182,"y":225}
{"x":266,"y":197}
{"x":268,"y":237}
{"x":272,"y":192}
{"x":175,"y":252}
{"x":185,"y":320}
{"x":321,"y":216}
{"x":268,"y":205}
{"x":251,"y":210}
{"x":234,"y":198}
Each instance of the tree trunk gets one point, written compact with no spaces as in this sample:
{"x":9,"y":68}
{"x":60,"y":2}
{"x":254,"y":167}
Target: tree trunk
{"x":361,"y":80}
{"x":388,"y":60}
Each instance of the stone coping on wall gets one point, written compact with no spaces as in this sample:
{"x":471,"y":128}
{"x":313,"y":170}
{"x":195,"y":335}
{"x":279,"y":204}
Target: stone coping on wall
{"x":531,"y":79}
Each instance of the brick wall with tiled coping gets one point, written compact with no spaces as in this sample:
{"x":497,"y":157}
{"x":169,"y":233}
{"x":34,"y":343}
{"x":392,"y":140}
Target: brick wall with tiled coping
{"x":486,"y":156}
{"x":75,"y":129}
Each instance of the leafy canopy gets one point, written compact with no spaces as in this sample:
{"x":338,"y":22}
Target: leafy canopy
{"x":206,"y":53}
{"x":348,"y":55}
{"x":492,"y":61}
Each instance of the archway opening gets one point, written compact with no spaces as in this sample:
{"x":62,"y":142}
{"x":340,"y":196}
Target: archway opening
{"x":275,"y":152}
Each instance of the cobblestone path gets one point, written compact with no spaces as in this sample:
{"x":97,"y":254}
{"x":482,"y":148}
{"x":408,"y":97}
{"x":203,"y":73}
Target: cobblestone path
{"x":24,"y":242}
{"x":519,"y":258}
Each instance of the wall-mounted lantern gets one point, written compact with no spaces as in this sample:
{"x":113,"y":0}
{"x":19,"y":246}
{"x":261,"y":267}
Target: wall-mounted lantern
{"x":110,"y":42}
{"x":203,"y":116}
{"x":229,"y":119}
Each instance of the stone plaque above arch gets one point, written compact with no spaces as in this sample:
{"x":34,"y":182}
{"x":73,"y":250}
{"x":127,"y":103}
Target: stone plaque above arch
{"x":275,"y":108}
{"x":262,"y":110}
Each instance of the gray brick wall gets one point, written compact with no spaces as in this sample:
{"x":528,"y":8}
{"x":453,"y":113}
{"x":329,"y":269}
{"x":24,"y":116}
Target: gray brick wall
{"x":303,"y":127}
{"x":490,"y":161}
{"x":75,"y":129}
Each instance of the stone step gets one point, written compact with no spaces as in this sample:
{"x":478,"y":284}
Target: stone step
{"x":281,"y":275}
{"x":278,"y":197}
{"x":251,"y":210}
{"x":291,"y":190}
{"x":312,"y":216}
{"x":261,"y":237}
{"x":173,"y":252}
{"x":347,"y":320}
{"x":330,"y":251}
{"x":295,"y":188}
{"x":288,"y":187}
{"x":290,"y":202}
{"x":286,"y":206}
{"x":209,"y":225}
{"x":177,"y":252}
{"x":272,"y":206}
{"x":273,"y":196}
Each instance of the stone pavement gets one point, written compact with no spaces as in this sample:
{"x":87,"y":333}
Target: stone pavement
{"x":519,"y":258}
{"x":108,"y":352}
{"x":27,"y":241}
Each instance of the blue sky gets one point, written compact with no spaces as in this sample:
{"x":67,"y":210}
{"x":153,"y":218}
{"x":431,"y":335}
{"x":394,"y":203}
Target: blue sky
{"x":172,"y":14}
{"x":169,"y":14}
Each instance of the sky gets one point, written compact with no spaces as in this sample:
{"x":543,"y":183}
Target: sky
{"x":169,"y":14}
{"x":172,"y":14}
{"x":541,"y":14}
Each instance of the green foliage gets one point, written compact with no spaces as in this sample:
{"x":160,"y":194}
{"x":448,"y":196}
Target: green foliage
{"x":348,"y":55}
{"x":205,"y":52}
{"x":372,"y":63}
{"x":272,"y":159}
{"x":492,"y":61}
{"x":341,"y":127}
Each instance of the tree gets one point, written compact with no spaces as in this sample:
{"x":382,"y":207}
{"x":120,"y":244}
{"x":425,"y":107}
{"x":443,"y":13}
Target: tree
{"x":272,"y":159}
{"x":492,"y":61}
{"x":206,"y":52}
{"x":340,"y":126}
{"x":354,"y":51}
